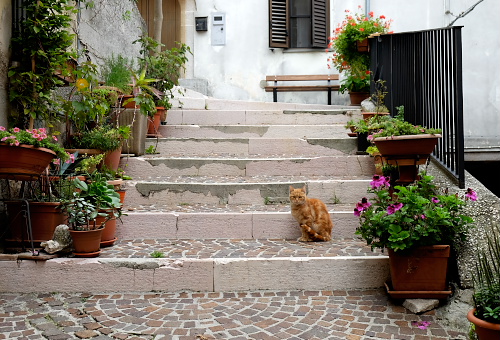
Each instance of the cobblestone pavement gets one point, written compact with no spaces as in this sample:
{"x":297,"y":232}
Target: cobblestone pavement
{"x":230,"y":248}
{"x":265,"y":315}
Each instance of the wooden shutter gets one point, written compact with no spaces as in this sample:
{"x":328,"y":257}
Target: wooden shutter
{"x":319,"y":23}
{"x":278,"y":24}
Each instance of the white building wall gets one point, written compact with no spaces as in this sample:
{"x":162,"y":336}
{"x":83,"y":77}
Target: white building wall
{"x":237,"y":69}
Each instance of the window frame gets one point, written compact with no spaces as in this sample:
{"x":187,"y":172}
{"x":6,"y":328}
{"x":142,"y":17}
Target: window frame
{"x":279,"y":24}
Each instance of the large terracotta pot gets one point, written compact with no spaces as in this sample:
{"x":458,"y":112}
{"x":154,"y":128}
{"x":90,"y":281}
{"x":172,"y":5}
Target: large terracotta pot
{"x":108,"y":236}
{"x":485,"y":330}
{"x":112,"y":159}
{"x":357,"y":97}
{"x":127,"y":101}
{"x":420,"y":269}
{"x":23,"y":161}
{"x":86,"y":243}
{"x":45,"y":217}
{"x":154,"y":122}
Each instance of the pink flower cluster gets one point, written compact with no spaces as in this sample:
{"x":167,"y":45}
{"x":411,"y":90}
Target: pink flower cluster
{"x":380,"y":181}
{"x":38,"y":134}
{"x":361,"y":206}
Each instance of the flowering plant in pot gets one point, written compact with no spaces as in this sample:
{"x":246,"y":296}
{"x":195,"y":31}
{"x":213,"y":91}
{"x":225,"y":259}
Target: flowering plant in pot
{"x":486,"y":313}
{"x":411,"y":220}
{"x":354,"y":29}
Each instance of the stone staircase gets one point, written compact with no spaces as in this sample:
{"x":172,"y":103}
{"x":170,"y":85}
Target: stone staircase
{"x":213,"y":200}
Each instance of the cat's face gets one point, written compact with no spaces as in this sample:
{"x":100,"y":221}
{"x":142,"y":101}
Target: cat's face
{"x":297,"y":196}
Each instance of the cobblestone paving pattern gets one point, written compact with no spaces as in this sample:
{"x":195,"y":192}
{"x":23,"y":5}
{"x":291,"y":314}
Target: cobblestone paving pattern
{"x":264,"y":315}
{"x":231,"y":248}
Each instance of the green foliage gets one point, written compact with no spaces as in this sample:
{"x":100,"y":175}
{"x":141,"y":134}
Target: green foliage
{"x":410,"y":216}
{"x":487,"y":282}
{"x":104,"y":138}
{"x":150,"y":150}
{"x":41,"y":47}
{"x":399,"y":127}
{"x":378,"y":96}
{"x":157,"y":254}
{"x":91,"y":199}
{"x":346,"y":58}
{"x":165,"y":66}
{"x":116,"y":72}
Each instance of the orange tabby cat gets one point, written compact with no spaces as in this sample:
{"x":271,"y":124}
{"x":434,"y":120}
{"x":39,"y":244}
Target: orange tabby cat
{"x":312,"y":215}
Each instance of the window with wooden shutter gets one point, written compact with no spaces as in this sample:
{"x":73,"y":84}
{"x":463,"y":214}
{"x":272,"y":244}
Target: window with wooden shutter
{"x":298,"y":23}
{"x":319,"y":23}
{"x":278,"y":24}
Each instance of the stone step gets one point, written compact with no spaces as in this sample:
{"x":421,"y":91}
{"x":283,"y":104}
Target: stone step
{"x":150,"y":167}
{"x":253,"y":146}
{"x":252,"y":131}
{"x":203,"y":265}
{"x":248,"y":116}
{"x":239,"y":222}
{"x":251,"y":190}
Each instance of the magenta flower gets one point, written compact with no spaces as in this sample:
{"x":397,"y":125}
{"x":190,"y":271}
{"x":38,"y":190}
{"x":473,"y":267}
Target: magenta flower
{"x":423,"y":216}
{"x":471,"y":194}
{"x":16,"y":129}
{"x":392,"y":208}
{"x":379,"y":181}
{"x":421,"y":324}
{"x":435,"y":200}
{"x":361,"y":206}
{"x":2,"y":128}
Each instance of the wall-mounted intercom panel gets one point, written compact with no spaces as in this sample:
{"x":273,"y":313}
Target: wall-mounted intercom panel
{"x":218,"y":29}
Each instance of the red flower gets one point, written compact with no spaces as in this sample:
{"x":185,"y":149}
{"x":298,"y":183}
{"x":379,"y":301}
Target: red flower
{"x":362,"y":29}
{"x":371,"y":14}
{"x":382,"y":17}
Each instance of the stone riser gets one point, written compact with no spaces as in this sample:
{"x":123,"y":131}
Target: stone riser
{"x":251,"y":225}
{"x":335,"y":166}
{"x":172,"y":194}
{"x":208,"y":275}
{"x":252,"y":131}
{"x":255,"y":146}
{"x":257,"y":117}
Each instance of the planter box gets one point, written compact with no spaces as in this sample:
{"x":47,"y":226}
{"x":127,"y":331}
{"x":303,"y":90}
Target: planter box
{"x":137,"y":141}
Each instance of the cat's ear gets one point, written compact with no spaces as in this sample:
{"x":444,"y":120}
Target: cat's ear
{"x":291,"y":188}
{"x":304,"y":188}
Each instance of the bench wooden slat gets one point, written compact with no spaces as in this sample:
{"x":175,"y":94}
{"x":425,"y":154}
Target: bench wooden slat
{"x":291,"y":88}
{"x":302,"y":77}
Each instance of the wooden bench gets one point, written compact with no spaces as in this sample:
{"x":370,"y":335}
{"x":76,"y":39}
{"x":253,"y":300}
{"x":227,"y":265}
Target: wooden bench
{"x":281,"y":87}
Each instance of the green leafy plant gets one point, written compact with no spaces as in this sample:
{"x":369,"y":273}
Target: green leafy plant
{"x":419,"y":214}
{"x":144,"y":92}
{"x":165,"y":66}
{"x":91,"y":199}
{"x":346,"y":57}
{"x":40,"y":48}
{"x":487,"y":282}
{"x":116,"y":73}
{"x":39,"y":138}
{"x":378,"y":96}
{"x":397,"y":126}
{"x":157,"y":254}
{"x":150,"y":150}
{"x":104,"y":137}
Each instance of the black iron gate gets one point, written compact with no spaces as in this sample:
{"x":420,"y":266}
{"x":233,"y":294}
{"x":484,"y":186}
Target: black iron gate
{"x":423,"y":72}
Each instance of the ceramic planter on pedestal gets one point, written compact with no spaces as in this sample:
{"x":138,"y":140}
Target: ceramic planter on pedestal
{"x":407,"y":152}
{"x":485,"y":330}
{"x":420,"y":272}
{"x":137,"y":141}
{"x":23,"y":161}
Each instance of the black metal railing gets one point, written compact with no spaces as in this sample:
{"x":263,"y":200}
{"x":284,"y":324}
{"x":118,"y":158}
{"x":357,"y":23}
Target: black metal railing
{"x":423,"y":72}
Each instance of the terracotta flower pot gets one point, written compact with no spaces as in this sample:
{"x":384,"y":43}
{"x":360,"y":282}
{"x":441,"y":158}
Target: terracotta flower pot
{"x":108,"y":236}
{"x":420,"y":269}
{"x":112,"y":159}
{"x":45,"y":217}
{"x":357,"y":97}
{"x":24,"y":161}
{"x":86,"y":243}
{"x":485,"y":330}
{"x":154,"y":122}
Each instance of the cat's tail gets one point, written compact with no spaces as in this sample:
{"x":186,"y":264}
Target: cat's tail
{"x":313,"y":234}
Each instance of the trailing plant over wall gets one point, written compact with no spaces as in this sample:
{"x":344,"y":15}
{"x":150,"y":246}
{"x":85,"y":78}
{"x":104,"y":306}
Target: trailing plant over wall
{"x":39,"y":49}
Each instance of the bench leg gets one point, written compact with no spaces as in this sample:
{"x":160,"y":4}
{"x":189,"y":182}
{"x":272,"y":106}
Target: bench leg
{"x":275,"y":95}
{"x":329,"y":96}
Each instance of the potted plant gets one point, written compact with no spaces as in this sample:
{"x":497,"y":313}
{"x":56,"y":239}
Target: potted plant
{"x":404,"y":145}
{"x":354,"y":29}
{"x":40,"y":51}
{"x":417,"y":223}
{"x":28,"y":152}
{"x":486,"y":312}
{"x":377,"y":98}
